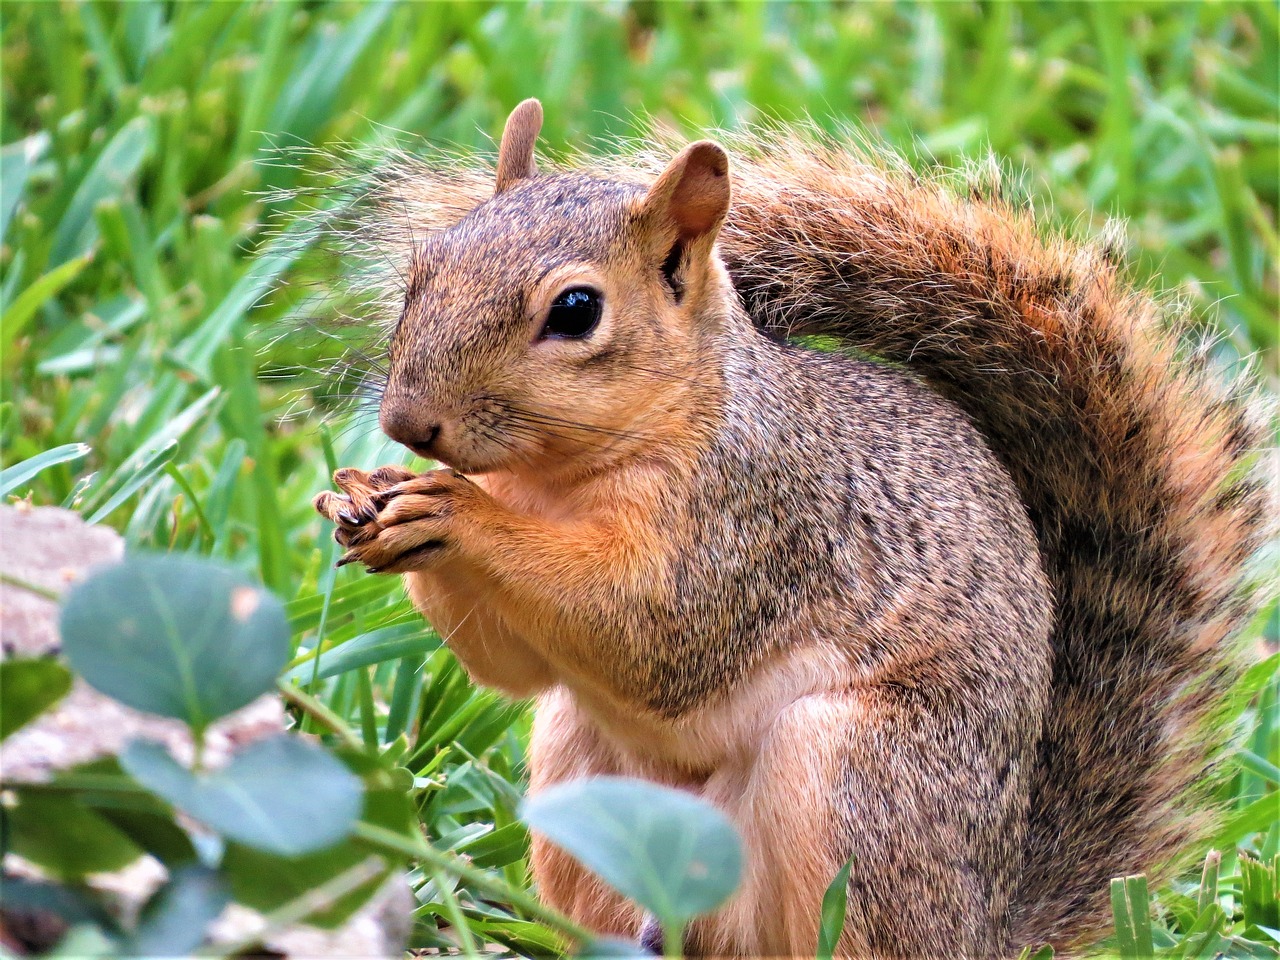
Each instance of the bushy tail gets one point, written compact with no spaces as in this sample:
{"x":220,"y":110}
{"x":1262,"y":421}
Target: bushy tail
{"x":1133,"y":461}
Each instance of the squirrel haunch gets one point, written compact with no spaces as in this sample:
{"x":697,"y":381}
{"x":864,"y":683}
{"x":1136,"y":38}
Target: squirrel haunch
{"x":964,"y":612}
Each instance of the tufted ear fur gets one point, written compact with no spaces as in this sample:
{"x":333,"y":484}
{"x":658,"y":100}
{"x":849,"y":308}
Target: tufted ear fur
{"x":515,"y":154}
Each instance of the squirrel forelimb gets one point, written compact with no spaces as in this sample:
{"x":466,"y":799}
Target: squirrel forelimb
{"x":552,"y":581}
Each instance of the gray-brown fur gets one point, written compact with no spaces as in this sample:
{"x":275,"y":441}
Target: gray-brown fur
{"x":866,"y":511}
{"x":834,"y":490}
{"x":829,"y":461}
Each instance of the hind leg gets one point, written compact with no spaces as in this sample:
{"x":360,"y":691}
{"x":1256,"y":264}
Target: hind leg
{"x":783,"y":801}
{"x":863,"y":776}
{"x":564,"y":747}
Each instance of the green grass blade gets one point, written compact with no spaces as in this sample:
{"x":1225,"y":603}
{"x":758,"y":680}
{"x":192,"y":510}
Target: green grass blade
{"x":264,"y":272}
{"x":133,"y":481}
{"x":834,"y":902}
{"x":1129,"y":906}
{"x":1258,"y":765}
{"x":206,"y":529}
{"x":1259,"y":892}
{"x":115,"y":167}
{"x":407,"y":685}
{"x":106,"y":58}
{"x":16,"y":163}
{"x":1208,"y":893}
{"x":24,"y":307}
{"x":11,"y":478}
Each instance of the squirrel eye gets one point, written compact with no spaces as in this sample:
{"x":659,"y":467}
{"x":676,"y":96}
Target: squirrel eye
{"x":573,"y":314}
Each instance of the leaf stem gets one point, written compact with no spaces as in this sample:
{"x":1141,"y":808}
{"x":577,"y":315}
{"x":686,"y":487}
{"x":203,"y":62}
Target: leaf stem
{"x":197,"y":749}
{"x":451,"y":906}
{"x":78,"y":783}
{"x":13,"y":580}
{"x":318,"y":711}
{"x":673,"y":939}
{"x":418,"y":848}
{"x":301,"y":907}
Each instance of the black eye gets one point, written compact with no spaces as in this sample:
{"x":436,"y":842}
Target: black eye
{"x":573,"y":315}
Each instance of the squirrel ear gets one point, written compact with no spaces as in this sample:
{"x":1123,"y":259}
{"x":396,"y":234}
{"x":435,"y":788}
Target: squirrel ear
{"x":693,"y":191}
{"x":515,"y":154}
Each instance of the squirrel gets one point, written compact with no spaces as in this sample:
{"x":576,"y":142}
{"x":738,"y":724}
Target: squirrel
{"x":955,"y":603}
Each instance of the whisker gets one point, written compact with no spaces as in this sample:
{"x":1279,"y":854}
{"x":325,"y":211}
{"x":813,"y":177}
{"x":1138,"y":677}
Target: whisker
{"x":542,"y":432}
{"x":529,"y":416}
{"x":667,"y":375}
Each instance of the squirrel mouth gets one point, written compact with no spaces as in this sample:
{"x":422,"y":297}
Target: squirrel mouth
{"x":425,"y":450}
{"x":447,"y":458}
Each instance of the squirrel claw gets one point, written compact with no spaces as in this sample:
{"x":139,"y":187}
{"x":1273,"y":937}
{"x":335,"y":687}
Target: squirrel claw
{"x":651,"y":936}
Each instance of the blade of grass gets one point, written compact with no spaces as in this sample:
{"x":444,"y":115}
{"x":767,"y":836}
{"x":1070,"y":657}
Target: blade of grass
{"x":831,"y":923}
{"x":1129,"y":906}
{"x":24,"y":307}
{"x":11,"y":478}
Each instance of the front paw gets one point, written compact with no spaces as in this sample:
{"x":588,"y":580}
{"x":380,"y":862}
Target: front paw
{"x":417,"y":522}
{"x":354,"y":510}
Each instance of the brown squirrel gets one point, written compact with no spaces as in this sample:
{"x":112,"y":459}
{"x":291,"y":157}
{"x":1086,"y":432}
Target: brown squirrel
{"x":961,"y":612}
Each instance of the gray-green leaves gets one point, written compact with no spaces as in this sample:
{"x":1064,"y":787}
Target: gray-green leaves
{"x":194,"y":640}
{"x":175,"y":636}
{"x":672,"y":853}
{"x":282,"y":795}
{"x":175,"y":920}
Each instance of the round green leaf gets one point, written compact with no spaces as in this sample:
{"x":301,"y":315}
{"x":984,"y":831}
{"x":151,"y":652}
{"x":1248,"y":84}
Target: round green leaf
{"x":176,"y":918}
{"x":672,"y":853}
{"x":266,"y":881}
{"x":282,"y":795}
{"x":176,"y":636}
{"x":27,"y":689}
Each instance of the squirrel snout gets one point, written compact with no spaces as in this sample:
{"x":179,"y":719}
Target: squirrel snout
{"x":424,"y":446}
{"x":409,"y":430}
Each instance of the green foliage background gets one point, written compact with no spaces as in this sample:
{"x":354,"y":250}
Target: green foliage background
{"x":151,"y":311}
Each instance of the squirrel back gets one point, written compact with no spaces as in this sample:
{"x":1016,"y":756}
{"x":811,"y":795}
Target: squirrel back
{"x":1133,"y":464}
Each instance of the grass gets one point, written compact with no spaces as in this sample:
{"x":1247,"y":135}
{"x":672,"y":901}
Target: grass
{"x":154,"y":312}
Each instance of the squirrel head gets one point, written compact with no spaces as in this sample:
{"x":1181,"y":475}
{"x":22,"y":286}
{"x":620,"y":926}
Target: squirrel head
{"x":556,"y":325}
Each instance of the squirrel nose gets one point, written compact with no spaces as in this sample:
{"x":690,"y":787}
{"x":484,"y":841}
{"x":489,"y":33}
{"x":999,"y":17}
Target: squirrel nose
{"x":424,"y":446}
{"x":408,"y":430}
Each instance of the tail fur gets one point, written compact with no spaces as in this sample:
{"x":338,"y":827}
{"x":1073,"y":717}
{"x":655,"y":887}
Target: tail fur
{"x":1134,"y":463}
